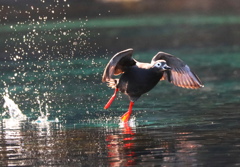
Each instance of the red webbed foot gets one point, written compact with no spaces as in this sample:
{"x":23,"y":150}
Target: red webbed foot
{"x":127,"y":115}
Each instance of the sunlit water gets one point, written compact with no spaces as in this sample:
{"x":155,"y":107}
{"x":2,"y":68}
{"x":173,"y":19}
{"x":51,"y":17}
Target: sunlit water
{"x":52,"y":105}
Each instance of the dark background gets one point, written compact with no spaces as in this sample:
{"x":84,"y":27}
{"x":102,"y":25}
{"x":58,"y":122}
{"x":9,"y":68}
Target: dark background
{"x":113,"y":38}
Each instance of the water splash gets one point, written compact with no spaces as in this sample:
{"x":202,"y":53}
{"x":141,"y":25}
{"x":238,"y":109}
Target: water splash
{"x":15,"y":113}
{"x":44,"y":32}
{"x":130,"y":123}
{"x":43,"y":118}
{"x":12,"y":108}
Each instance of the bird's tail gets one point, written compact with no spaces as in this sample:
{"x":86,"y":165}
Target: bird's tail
{"x":112,"y":83}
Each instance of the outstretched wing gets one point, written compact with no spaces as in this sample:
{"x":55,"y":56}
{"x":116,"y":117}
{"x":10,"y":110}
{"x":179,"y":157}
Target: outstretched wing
{"x":118,"y":64}
{"x":180,"y":74}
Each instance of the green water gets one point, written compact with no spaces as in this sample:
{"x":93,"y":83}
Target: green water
{"x":171,"y":126}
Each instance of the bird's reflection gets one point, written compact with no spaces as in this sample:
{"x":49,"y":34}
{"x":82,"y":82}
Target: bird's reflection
{"x":128,"y":147}
{"x":120,"y":147}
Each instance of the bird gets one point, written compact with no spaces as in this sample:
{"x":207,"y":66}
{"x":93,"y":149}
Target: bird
{"x":138,"y":78}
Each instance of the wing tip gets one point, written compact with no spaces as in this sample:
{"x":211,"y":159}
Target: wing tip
{"x":130,"y":50}
{"x":104,"y":79}
{"x":191,"y":85}
{"x":196,"y":86}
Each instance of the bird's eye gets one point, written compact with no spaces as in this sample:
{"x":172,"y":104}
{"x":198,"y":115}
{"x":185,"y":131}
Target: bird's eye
{"x":159,"y":64}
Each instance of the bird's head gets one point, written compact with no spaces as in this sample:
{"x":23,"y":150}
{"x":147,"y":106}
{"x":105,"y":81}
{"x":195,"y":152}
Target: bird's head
{"x":161,"y":65}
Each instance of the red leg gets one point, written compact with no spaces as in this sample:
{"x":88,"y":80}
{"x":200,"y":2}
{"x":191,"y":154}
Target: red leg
{"x":111,"y":99}
{"x":127,"y":115}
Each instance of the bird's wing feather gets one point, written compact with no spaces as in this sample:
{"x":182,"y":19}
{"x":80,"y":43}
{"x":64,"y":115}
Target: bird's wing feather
{"x":180,"y":73}
{"x":118,"y":64}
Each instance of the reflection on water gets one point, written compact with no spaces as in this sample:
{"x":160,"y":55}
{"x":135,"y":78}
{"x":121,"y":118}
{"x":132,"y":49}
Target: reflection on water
{"x":27,"y":144}
{"x":23,"y":143}
{"x":151,"y":147}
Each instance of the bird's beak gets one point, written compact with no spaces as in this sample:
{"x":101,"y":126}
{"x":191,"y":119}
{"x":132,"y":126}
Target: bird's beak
{"x":166,"y":67}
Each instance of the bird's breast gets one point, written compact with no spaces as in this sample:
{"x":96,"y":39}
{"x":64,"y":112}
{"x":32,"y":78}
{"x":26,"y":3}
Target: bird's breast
{"x":137,"y":81}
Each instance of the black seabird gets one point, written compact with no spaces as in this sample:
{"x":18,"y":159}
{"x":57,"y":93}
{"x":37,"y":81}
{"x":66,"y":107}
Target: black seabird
{"x":138,"y":78}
